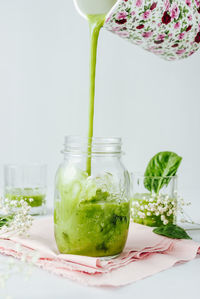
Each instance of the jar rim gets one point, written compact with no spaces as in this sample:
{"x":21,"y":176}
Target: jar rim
{"x":98,"y":145}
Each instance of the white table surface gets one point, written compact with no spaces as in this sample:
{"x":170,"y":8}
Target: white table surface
{"x":181,"y":282}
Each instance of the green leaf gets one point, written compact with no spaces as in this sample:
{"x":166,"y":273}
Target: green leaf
{"x":172,"y":231}
{"x":160,"y":169}
{"x":5,"y":220}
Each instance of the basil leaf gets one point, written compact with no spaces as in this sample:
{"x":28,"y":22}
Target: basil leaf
{"x":172,"y":231}
{"x":159,"y":170}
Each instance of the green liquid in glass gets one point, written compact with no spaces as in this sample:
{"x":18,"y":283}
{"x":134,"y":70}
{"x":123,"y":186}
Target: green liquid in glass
{"x":88,"y":221}
{"x":33,"y":197}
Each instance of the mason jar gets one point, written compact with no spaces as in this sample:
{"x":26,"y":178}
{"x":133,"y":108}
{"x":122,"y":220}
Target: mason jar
{"x":92,"y":210}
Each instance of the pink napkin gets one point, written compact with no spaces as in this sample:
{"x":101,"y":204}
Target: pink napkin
{"x":145,"y":254}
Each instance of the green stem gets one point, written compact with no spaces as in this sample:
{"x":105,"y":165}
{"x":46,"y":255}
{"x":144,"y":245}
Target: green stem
{"x":95,"y":23}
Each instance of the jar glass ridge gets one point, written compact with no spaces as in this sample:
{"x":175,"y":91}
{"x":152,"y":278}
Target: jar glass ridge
{"x":92,"y":213}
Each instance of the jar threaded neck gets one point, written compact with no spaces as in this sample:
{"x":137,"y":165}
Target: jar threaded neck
{"x":100,"y":146}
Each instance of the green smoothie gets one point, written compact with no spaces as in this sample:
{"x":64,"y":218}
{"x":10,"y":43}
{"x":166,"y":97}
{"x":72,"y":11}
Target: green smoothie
{"x":34,"y":197}
{"x":89,"y":221}
{"x":96,"y":22}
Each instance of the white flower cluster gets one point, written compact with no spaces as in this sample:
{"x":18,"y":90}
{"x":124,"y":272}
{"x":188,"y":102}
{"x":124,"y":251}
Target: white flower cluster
{"x":162,"y":206}
{"x":14,"y":216}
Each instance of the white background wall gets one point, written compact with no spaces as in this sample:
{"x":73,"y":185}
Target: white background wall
{"x":154,"y":105}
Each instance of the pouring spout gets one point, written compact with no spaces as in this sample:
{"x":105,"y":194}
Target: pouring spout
{"x":94,"y":7}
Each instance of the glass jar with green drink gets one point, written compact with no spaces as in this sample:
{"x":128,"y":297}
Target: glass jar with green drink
{"x":27,"y":182}
{"x":92,"y":210}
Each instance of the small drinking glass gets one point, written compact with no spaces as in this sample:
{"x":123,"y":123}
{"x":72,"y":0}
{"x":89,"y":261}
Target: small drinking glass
{"x":154,"y":200}
{"x":27,"y":182}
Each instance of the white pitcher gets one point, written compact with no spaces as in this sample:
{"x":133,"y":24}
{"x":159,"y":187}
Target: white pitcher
{"x":94,"y":7}
{"x":167,"y":28}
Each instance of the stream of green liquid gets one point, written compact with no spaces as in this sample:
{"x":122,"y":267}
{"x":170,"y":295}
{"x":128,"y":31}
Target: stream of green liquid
{"x":96,"y":23}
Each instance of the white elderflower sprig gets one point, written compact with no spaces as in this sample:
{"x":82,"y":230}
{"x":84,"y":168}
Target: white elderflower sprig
{"x":14,"y":216}
{"x":161,"y":205}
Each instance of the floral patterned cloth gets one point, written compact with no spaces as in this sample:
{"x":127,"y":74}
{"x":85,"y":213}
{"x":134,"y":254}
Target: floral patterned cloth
{"x":168,"y":28}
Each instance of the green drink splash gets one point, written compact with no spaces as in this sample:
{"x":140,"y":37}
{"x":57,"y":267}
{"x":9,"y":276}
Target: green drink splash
{"x":96,"y":23}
